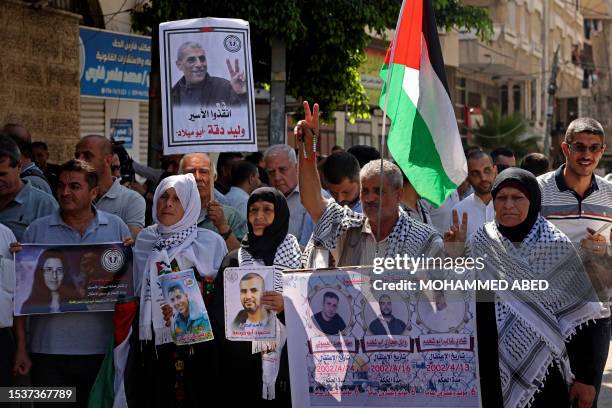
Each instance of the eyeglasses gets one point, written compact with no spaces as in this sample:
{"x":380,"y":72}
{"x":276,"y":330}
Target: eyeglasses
{"x":192,"y":59}
{"x":580,"y":148}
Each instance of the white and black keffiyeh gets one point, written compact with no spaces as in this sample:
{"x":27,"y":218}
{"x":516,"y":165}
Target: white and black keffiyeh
{"x":170,"y":241}
{"x":533,"y":326}
{"x":409,"y":236}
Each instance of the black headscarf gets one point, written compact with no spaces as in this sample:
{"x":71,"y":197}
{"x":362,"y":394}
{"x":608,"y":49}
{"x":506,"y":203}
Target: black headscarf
{"x":528,"y":185}
{"x":264,"y":247}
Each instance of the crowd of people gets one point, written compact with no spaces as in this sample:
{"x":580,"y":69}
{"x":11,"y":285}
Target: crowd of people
{"x":293,"y":209}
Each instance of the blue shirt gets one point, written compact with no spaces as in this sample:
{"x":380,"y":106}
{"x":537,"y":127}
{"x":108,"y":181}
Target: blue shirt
{"x":28,"y":205}
{"x":73,"y":333}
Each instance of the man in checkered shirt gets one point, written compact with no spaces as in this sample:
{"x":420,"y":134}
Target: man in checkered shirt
{"x":579,"y":203}
{"x":353,"y":238}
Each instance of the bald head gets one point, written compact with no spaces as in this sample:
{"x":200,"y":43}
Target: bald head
{"x":96,"y":150}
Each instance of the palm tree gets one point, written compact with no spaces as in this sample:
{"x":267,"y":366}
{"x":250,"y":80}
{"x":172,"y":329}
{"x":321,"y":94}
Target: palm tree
{"x":505,"y":131}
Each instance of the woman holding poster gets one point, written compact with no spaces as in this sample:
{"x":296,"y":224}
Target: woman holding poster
{"x":174,"y":373}
{"x":266,"y":243}
{"x":525,"y":332}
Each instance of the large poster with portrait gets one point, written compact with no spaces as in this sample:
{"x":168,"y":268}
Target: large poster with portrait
{"x":246,"y":318}
{"x":353,"y":346}
{"x":208,"y":100}
{"x":72,"y":278}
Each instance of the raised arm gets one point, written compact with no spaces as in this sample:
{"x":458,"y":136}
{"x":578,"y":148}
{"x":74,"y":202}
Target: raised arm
{"x":310,"y":184}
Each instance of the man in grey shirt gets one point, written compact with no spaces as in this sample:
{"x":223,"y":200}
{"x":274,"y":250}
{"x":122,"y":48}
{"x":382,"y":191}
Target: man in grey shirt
{"x":112,"y":197}
{"x":20,"y":202}
{"x":67,"y":349}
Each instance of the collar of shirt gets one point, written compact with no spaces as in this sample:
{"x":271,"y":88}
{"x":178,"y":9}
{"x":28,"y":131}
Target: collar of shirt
{"x":114,"y":190}
{"x":24,"y":193}
{"x":27,"y":167}
{"x":296,"y":190}
{"x":478,"y":201}
{"x":237,"y":190}
{"x":367,"y":229}
{"x":100,"y":218}
{"x":562,"y":185}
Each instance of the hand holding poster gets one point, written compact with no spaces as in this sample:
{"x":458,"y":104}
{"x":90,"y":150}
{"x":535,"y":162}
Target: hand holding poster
{"x":350,"y":345}
{"x":184,"y":310}
{"x":208,"y":101}
{"x":245,"y":316}
{"x":68,"y":278}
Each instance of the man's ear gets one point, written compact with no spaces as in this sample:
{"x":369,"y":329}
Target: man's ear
{"x":108,"y":160}
{"x":94,"y":192}
{"x":564,"y":149}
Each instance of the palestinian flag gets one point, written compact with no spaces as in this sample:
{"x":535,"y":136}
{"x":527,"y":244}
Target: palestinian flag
{"x":113,"y":383}
{"x":423,"y":137}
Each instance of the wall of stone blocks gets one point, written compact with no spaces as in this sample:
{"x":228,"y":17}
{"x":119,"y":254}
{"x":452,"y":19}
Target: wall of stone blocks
{"x":39,"y":74}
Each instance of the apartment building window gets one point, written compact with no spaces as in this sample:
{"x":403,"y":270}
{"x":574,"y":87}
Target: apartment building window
{"x":503,"y":96}
{"x":516,"y":98}
{"x":359,"y":132}
{"x":523,"y":21}
{"x":511,"y":15}
{"x":534,"y":100}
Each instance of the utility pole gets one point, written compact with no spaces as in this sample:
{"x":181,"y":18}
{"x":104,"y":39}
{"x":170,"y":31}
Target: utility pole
{"x":552,"y":90}
{"x":278,"y":125}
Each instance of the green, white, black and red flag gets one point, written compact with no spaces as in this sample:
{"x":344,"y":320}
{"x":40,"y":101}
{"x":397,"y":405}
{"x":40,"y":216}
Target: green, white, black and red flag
{"x":113,"y":383}
{"x":423,"y":137}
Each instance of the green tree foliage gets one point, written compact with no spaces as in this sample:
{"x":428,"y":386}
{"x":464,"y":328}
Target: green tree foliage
{"x":325,"y":39}
{"x":507,"y":131}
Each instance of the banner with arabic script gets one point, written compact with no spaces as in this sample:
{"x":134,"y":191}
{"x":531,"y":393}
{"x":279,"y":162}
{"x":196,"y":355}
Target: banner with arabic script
{"x":72,"y":278}
{"x":114,"y":65}
{"x":208,"y":99}
{"x":353,"y":346}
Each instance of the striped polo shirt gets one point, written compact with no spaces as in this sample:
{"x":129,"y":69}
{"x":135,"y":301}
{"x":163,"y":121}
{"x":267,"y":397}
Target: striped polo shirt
{"x":571,"y":213}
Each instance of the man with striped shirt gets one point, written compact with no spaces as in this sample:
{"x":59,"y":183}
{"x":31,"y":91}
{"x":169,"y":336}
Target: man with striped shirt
{"x":579,"y":203}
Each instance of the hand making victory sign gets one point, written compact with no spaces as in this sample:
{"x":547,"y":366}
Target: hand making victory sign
{"x":454,"y":238}
{"x":307,"y":130}
{"x":238,"y":79}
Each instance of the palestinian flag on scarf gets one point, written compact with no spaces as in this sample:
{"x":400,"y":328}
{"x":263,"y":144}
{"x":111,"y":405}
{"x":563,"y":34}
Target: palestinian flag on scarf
{"x":423,"y":137}
{"x":112,"y":385}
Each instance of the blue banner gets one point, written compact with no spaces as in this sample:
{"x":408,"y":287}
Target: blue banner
{"x":114,"y":65}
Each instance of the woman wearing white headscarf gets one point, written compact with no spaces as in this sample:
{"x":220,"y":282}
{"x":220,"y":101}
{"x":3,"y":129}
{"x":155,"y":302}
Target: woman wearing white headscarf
{"x":172,"y":376}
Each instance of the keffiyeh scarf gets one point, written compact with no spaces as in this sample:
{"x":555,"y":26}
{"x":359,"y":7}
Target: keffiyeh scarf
{"x":533,"y":326}
{"x":171,"y":241}
{"x":287,"y":256}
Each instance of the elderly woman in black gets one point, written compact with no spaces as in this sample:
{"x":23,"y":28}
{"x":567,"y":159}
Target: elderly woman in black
{"x":523,"y":335}
{"x":266,"y":243}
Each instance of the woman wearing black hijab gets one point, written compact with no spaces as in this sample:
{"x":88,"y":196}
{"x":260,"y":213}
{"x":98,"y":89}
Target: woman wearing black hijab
{"x":266,"y":243}
{"x":522,"y":335}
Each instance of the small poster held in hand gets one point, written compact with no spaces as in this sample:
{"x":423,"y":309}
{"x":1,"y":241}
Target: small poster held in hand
{"x":245,"y":316}
{"x":189,"y":319}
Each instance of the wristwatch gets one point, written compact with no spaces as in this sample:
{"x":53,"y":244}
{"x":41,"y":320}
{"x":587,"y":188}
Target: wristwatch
{"x":226,"y":235}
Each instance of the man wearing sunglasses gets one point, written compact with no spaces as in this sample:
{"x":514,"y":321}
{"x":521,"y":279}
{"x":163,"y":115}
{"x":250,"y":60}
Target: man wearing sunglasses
{"x":197,"y":87}
{"x":579,"y":203}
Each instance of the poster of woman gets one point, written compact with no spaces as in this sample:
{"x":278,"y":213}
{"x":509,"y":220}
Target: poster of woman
{"x":69,"y":278}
